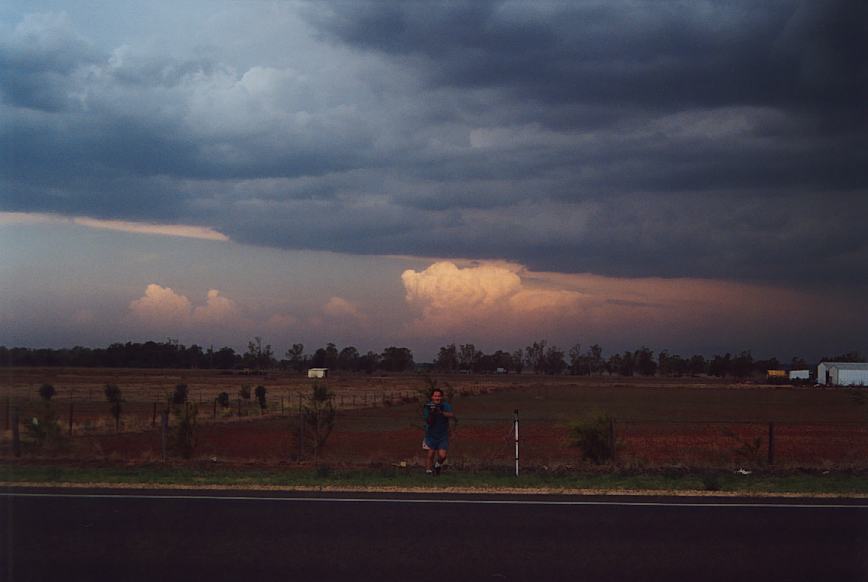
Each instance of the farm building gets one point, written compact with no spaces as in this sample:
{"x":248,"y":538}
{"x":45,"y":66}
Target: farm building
{"x":317,"y":372}
{"x":842,"y":373}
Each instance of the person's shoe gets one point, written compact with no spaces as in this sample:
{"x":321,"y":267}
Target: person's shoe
{"x":429,"y":472}
{"x":437,"y":467}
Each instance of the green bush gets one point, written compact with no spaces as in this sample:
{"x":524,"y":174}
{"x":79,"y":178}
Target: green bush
{"x":594,"y":437}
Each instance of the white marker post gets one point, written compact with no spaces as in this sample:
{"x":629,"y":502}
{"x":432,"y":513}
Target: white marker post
{"x":515,"y":424}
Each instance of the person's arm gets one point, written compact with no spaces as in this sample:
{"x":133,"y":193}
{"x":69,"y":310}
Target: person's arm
{"x":448,"y":413}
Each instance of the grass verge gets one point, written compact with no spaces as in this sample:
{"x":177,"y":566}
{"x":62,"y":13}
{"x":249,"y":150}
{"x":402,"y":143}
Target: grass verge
{"x":680,"y":481}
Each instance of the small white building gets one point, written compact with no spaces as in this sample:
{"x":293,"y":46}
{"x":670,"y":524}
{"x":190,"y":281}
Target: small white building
{"x":842,"y":374}
{"x":317,"y":372}
{"x":800,"y":374}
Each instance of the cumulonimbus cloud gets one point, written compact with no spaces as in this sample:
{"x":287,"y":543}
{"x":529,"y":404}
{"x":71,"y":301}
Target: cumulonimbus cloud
{"x":501,"y":302}
{"x":451,"y":297}
{"x":164,"y":307}
{"x":340,"y":308}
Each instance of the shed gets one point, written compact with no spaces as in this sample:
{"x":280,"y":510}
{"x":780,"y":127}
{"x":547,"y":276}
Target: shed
{"x":842,"y":374}
{"x":318,"y":373}
{"x":800,"y":374}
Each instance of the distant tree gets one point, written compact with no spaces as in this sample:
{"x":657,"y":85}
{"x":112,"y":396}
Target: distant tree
{"x":295,"y":356}
{"x":596,"y":364}
{"x":799,"y":363}
{"x":553,"y":360}
{"x":447,"y":358}
{"x":396,"y":359}
{"x":468,"y":357}
{"x":535,"y":356}
{"x":644,"y":361}
{"x":697,"y":365}
{"x":845,"y":357}
{"x":742,"y":365}
{"x":348,"y":359}
{"x":720,"y":366}
{"x":578,"y":362}
{"x":258,"y":356}
{"x":517,"y":361}
{"x":225,"y":359}
{"x":369,"y":362}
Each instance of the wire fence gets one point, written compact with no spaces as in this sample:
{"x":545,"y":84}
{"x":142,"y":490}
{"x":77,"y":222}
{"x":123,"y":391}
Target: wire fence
{"x":378,"y":428}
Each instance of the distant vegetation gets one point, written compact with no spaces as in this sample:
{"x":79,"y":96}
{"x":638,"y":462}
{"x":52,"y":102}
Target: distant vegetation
{"x":538,"y":357}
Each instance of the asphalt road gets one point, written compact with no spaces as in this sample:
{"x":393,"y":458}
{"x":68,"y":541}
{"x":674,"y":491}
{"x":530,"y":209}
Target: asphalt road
{"x":160,"y":535}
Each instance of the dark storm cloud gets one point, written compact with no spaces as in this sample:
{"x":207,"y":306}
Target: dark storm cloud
{"x":718,"y":139}
{"x":666,"y":55}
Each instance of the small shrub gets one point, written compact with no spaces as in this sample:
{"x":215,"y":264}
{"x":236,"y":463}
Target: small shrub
{"x":182,"y":439}
{"x":223,"y":399}
{"x":319,"y":417}
{"x":593,"y":437}
{"x":262,"y":396}
{"x":44,"y":428}
{"x":115,"y":399}
{"x":46,"y":392}
{"x":179,"y":396}
{"x":711,"y":482}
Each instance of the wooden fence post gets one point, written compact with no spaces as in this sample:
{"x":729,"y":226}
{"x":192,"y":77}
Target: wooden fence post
{"x":16,"y":437}
{"x":612,"y":446}
{"x":300,"y":429}
{"x":154,"y":416}
{"x":164,"y":433}
{"x":771,"y":443}
{"x":7,"y":417}
{"x":71,"y":407}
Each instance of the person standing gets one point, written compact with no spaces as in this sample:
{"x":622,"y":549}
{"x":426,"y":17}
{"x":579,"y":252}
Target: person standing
{"x":436,"y":413}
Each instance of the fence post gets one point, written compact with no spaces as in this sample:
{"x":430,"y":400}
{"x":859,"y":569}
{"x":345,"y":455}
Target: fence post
{"x":71,"y":406}
{"x":239,"y":407}
{"x":154,"y":416}
{"x":16,"y":437}
{"x":164,"y":433}
{"x":612,"y":446}
{"x":7,"y":416}
{"x":515,"y":424}
{"x":771,"y":443}
{"x":300,"y":429}
{"x":214,"y":414}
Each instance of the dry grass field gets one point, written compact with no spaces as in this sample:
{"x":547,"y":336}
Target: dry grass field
{"x":659,"y":421}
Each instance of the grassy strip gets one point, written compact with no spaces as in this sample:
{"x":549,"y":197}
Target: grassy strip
{"x":802,"y":483}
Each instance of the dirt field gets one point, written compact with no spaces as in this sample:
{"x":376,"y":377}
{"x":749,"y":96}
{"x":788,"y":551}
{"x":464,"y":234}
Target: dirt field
{"x":659,"y":422}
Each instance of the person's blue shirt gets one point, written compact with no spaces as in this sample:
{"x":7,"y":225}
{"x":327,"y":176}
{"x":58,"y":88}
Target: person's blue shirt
{"x":436,"y":425}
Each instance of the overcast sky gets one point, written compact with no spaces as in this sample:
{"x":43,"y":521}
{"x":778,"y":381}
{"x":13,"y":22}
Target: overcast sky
{"x":684,"y":175}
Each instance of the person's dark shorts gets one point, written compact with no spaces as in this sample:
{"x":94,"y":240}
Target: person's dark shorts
{"x":435,"y":443}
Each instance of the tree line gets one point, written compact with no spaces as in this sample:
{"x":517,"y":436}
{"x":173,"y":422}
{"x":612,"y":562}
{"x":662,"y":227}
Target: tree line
{"x":172,"y":354}
{"x":539,"y":357}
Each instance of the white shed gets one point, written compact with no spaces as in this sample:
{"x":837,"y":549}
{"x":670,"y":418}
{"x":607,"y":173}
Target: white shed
{"x":317,"y":372}
{"x":800,"y":374}
{"x":843,"y":373}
